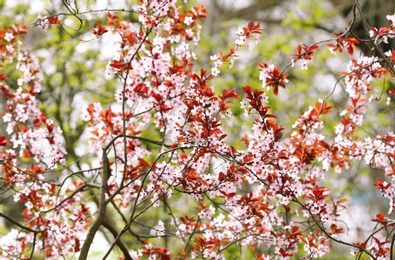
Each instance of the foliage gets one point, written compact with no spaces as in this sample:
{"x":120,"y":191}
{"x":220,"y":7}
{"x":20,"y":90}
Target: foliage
{"x":167,"y":177}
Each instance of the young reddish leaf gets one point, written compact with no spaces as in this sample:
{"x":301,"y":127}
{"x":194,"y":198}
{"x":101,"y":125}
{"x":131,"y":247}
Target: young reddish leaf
{"x":247,"y":89}
{"x":336,"y":230}
{"x":198,"y":12}
{"x":26,"y":154}
{"x":382,"y":185}
{"x":284,"y":253}
{"x":380,"y":216}
{"x":3,"y":140}
{"x":53,"y":20}
{"x":229,"y":93}
{"x":112,"y":19}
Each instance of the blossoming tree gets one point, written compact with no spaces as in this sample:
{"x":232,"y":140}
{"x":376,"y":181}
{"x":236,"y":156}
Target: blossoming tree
{"x":169,"y":182}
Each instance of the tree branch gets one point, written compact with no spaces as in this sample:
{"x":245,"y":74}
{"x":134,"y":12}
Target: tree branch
{"x":20,"y":225}
{"x":102,"y":208}
{"x":114,"y":232}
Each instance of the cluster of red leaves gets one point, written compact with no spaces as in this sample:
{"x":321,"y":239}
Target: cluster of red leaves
{"x":255,"y":101}
{"x":99,"y":30}
{"x":111,"y":127}
{"x":251,"y":29}
{"x":53,"y":20}
{"x":113,"y":20}
{"x":304,"y":52}
{"x":346,"y":43}
{"x":275,"y":79}
{"x":198,"y":12}
{"x":156,"y":252}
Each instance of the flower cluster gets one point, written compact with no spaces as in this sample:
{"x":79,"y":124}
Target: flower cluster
{"x":46,"y":22}
{"x":359,"y":75}
{"x":32,"y":148}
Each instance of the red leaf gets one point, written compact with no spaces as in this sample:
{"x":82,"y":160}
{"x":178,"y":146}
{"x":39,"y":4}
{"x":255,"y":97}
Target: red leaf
{"x":229,"y":93}
{"x":77,"y":245}
{"x":198,"y":12}
{"x":247,"y":89}
{"x":112,"y":19}
{"x":50,"y":127}
{"x":26,"y":154}
{"x":284,"y":253}
{"x":3,"y":140}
